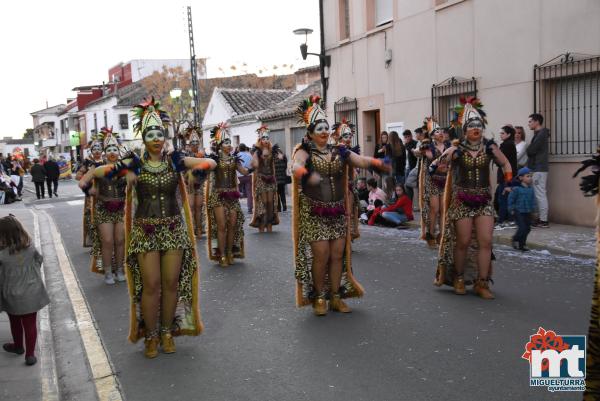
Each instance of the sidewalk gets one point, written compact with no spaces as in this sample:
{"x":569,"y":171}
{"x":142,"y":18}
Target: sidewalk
{"x":17,"y":380}
{"x":557,"y":239}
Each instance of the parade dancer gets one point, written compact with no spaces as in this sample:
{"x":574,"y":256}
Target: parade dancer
{"x":161,"y":259}
{"x":225,"y":217}
{"x":195,"y":180}
{"x":432,"y":184}
{"x":321,"y":214}
{"x":343,"y":133}
{"x":108,"y":213}
{"x":93,"y":160}
{"x":589,"y":187}
{"x":264,"y":184}
{"x":468,"y":204}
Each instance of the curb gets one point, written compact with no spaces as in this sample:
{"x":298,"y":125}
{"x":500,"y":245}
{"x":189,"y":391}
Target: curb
{"x":507,"y":240}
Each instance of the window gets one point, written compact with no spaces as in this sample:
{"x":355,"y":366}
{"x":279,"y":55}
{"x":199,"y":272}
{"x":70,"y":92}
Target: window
{"x":445,"y":96}
{"x":347,"y":108}
{"x":278,"y":137}
{"x":384,"y":11}
{"x":566,"y":94}
{"x":344,"y":19}
{"x":95,"y":123}
{"x":123,"y":121}
{"x":236,"y":140}
{"x":297,"y":135}
{"x":105,"y":119}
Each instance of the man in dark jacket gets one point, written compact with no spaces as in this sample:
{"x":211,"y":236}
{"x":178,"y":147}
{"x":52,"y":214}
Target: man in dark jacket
{"x":52,"y":174}
{"x":537,"y":153}
{"x":38,"y":176}
{"x":411,"y":160}
{"x":282,"y":178}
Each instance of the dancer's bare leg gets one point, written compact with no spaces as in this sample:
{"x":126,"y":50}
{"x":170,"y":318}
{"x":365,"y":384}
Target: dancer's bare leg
{"x":150,"y":267}
{"x":464,"y":229}
{"x":108,"y":244}
{"x":321,"y":254}
{"x":336,"y":258}
{"x":170,"y":267}
{"x":484,"y":227}
{"x":221,"y":229}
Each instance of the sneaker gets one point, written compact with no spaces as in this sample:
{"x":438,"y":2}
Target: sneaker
{"x":10,"y":347}
{"x":109,"y":278}
{"x":543,"y":224}
{"x":515,"y":244}
{"x":55,"y":194}
{"x":511,"y":224}
{"x":120,"y":275}
{"x":523,"y":249}
{"x":30,"y":360}
{"x":499,"y":226}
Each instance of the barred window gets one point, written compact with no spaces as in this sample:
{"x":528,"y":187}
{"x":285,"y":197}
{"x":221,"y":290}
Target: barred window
{"x":446,"y":95}
{"x":567,"y":93}
{"x":347,"y":108}
{"x":123,"y":121}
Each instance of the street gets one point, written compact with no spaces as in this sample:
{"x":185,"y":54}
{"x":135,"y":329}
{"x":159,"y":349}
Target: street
{"x":405,"y":340}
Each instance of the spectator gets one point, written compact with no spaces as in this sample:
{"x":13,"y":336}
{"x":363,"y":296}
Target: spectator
{"x":507,"y":147}
{"x":398,"y":157}
{"x":375,"y":193}
{"x":411,"y":160}
{"x":400,"y":210}
{"x":375,"y":215}
{"x":388,"y":186}
{"x":246,"y":180}
{"x":18,"y":173}
{"x":52,"y":174}
{"x":537,"y":154}
{"x":521,"y":201}
{"x":454,"y":131}
{"x":363,"y":193}
{"x":521,"y":146}
{"x":383,"y":148}
{"x":283,"y":179}
{"x":38,"y":176}
{"x":8,"y":190}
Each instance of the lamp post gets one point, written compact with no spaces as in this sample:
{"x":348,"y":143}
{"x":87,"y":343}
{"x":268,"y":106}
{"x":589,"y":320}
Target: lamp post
{"x":324,"y":60}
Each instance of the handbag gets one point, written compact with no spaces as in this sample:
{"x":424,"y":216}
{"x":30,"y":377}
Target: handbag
{"x":412,"y":178}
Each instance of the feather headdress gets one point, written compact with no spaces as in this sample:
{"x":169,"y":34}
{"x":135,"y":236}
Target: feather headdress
{"x":589,"y":183}
{"x":344,"y":128}
{"x":108,"y":137}
{"x":470,"y":108}
{"x":191,"y":134}
{"x":148,"y":115}
{"x":96,"y":142}
{"x":219,"y":133}
{"x":263,"y":130}
{"x":310,"y":112}
{"x":430,"y":125}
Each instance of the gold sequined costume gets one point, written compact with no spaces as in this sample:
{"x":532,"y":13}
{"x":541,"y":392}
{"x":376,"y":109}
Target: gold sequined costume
{"x":466,"y":195}
{"x":157,"y":224}
{"x":222,"y":191}
{"x":429,"y":185}
{"x":263,"y":181}
{"x":319,"y":214}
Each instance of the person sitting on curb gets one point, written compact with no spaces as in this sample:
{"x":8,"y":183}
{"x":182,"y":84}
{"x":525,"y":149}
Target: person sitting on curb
{"x":400,"y":211}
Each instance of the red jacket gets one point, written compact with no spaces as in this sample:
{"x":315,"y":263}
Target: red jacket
{"x":405,"y":204}
{"x":376,"y":213}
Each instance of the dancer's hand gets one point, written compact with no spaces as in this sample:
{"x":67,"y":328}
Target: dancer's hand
{"x":131,"y":178}
{"x":314,"y":179}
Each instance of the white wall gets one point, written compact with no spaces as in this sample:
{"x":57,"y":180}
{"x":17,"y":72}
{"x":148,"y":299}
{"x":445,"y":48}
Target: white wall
{"x":218,"y":110}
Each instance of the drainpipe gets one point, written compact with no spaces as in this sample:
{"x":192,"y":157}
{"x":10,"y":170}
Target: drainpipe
{"x":323,"y":59}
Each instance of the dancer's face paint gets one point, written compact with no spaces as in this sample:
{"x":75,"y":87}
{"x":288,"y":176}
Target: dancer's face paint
{"x":112,"y":153}
{"x":320,"y":134}
{"x":154,"y":140}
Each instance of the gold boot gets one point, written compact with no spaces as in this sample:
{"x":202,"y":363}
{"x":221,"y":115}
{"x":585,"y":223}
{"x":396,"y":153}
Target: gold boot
{"x":167,"y":342}
{"x":482,"y":288}
{"x":223,"y":261}
{"x":459,"y":285}
{"x":230,"y":258}
{"x":336,"y":304}
{"x":151,"y":347}
{"x":320,"y":306}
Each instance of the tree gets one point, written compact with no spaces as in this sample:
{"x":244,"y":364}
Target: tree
{"x":160,"y":84}
{"x":28,"y":133}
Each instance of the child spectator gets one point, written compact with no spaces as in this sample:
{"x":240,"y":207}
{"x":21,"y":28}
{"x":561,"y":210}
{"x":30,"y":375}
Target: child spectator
{"x":375,"y":193}
{"x":376,"y":217}
{"x":22,"y":291}
{"x":400,"y":211}
{"x":521,"y":201}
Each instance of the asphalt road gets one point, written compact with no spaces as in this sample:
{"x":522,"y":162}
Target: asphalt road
{"x":405,"y":340}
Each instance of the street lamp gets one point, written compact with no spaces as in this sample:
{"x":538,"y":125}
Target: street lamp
{"x":324,"y":60}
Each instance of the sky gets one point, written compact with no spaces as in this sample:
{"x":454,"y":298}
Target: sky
{"x":50,"y":47}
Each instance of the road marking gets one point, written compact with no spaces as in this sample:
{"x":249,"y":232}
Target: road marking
{"x":103,"y":375}
{"x":75,"y":202}
{"x":44,"y":206}
{"x":47,"y":362}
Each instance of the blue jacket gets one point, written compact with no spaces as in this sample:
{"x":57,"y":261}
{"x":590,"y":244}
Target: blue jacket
{"x":521,"y":199}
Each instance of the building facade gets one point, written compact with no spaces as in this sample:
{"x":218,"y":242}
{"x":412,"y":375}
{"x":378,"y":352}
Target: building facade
{"x":393,"y":62}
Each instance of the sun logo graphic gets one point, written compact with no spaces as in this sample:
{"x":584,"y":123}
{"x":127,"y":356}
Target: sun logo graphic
{"x":556,"y":362}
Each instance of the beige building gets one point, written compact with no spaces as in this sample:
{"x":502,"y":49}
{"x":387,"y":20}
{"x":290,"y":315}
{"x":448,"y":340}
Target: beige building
{"x":393,"y":62}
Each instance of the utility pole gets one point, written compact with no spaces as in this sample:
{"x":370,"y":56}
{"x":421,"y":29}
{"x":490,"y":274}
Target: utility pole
{"x":194,"y":72}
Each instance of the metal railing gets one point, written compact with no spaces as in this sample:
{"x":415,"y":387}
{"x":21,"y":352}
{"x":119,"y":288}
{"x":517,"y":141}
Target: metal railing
{"x":566,"y":91}
{"x":445,"y":96}
{"x":347,"y":108}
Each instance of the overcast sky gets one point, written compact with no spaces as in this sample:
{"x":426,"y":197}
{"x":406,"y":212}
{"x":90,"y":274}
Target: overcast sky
{"x":50,"y":47}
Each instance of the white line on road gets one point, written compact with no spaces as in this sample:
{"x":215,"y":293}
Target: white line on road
{"x":44,"y":206}
{"x":47,"y":362}
{"x":75,"y":202}
{"x":103,"y":375}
